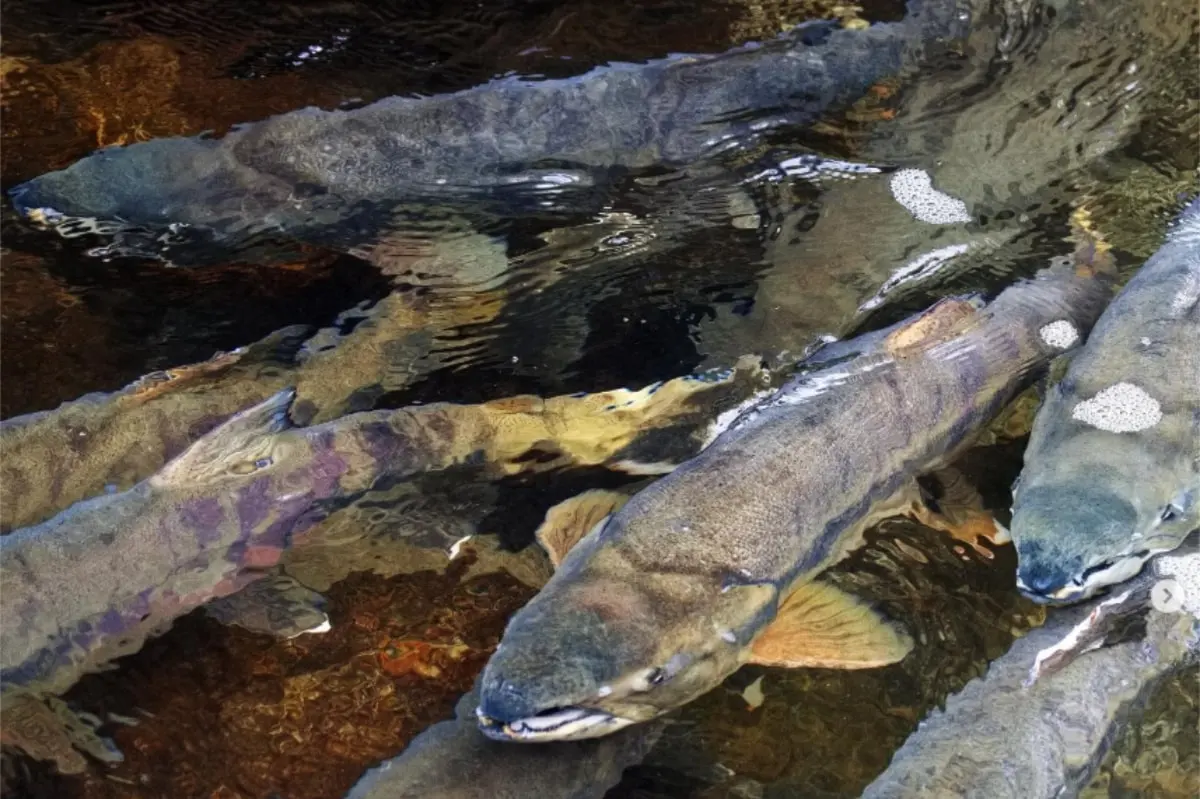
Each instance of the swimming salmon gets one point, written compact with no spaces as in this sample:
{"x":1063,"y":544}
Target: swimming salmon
{"x":308,"y":173}
{"x":1112,"y":471}
{"x":92,"y":583}
{"x":715,"y":565}
{"x":1018,"y":734}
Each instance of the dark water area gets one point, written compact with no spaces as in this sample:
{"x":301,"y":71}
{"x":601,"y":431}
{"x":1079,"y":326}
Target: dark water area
{"x":653,"y":272}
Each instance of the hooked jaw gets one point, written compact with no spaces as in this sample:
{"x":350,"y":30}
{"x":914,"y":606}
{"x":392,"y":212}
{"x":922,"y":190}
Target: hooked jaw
{"x":541,"y":687}
{"x":558,"y":724}
{"x":1073,"y":542}
{"x":506,"y":712}
{"x":516,"y":704}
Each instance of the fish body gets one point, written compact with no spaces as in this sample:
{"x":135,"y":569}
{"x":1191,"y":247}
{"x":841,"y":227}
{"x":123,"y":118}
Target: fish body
{"x":715,"y":564}
{"x":454,"y":760}
{"x":1112,"y":471}
{"x":312,"y":170}
{"x":1007,"y":736}
{"x":91,"y":582}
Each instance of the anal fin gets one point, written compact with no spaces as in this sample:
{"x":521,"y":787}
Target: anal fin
{"x":570,"y":520}
{"x":820,"y":626}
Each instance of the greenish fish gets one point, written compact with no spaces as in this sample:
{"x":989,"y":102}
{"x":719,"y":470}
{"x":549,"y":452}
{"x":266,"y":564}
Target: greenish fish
{"x":1039,"y":724}
{"x":1112,"y":471}
{"x":716,"y":564}
{"x":93,"y":582}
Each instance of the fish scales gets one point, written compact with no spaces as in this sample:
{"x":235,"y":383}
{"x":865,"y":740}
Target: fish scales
{"x":307,"y":172}
{"x":92,"y":582}
{"x":685,"y":582}
{"x":831,"y":450}
{"x":1112,"y":470}
{"x":1003,"y":737}
{"x":196,"y":530}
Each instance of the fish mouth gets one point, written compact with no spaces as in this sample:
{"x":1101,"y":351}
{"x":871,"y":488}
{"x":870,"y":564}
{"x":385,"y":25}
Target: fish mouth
{"x":557,"y":724}
{"x":1065,"y":595}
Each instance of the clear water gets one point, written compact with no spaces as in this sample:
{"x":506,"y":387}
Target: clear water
{"x":1044,"y":108}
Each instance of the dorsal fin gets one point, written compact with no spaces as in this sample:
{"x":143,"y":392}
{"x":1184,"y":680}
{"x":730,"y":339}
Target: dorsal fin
{"x":947,"y":319}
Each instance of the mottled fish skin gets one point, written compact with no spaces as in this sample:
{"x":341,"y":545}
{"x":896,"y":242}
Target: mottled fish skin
{"x":112,"y":441}
{"x":1000,"y":738}
{"x":1112,"y":471}
{"x":310,"y":169}
{"x":95,"y":580}
{"x":662,"y":602}
{"x":92,"y":582}
{"x":121,"y":566}
{"x":453,"y":760}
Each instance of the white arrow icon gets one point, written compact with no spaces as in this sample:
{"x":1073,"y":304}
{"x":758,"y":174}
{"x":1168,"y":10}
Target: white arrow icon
{"x":1167,"y":596}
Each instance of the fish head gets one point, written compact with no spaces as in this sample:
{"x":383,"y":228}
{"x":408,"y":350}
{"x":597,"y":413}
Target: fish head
{"x":1093,"y":523}
{"x":609,"y":645}
{"x":139,"y":184}
{"x":255,"y":442}
{"x":249,"y":482}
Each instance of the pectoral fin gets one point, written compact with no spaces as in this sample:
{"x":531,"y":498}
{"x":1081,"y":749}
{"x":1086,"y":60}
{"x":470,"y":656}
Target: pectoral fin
{"x":569,"y":521}
{"x":820,"y":626}
{"x":276,"y":605}
{"x":951,"y":504}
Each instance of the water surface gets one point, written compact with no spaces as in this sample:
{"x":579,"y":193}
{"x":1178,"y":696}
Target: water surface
{"x":1032,"y":116}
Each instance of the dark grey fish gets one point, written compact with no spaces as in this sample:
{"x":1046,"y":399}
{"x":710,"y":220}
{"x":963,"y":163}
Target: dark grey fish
{"x":313,"y":170}
{"x":1112,"y":471}
{"x":716,"y":564}
{"x":1026,"y":732}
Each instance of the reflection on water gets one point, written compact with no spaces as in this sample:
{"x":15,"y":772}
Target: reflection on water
{"x":1043,"y":107}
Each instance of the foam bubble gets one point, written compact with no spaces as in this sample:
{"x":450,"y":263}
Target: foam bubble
{"x":1186,"y":571}
{"x":1060,"y":334}
{"x":1120,"y":408}
{"x":913,"y":188}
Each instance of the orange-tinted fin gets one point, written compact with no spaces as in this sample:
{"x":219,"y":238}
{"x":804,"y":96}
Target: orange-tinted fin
{"x":820,"y":626}
{"x":958,"y":510}
{"x":570,"y":520}
{"x":942,"y":322}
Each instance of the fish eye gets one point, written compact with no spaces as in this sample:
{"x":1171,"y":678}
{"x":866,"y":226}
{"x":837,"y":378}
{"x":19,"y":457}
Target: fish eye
{"x":649,"y":679}
{"x":1169,"y":514}
{"x":249,"y":467}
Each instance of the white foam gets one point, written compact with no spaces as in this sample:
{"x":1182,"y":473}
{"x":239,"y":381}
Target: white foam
{"x":1120,"y":408}
{"x":1059,"y":334}
{"x":913,"y":188}
{"x":1186,"y":571}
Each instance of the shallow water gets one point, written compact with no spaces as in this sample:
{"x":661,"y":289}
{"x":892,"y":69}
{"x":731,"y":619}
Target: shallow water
{"x":671,"y":270}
